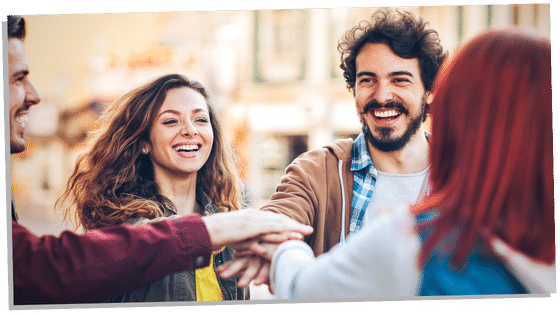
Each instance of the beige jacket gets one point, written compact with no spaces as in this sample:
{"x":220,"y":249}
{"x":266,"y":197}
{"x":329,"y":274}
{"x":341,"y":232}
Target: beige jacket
{"x":317,"y":190}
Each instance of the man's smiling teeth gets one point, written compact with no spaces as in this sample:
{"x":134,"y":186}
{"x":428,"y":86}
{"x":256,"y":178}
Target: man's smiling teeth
{"x":186,"y":147}
{"x":386,"y":113}
{"x":22,"y":118}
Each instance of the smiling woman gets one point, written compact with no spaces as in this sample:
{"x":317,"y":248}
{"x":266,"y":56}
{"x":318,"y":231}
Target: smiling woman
{"x":179,"y":145}
{"x":159,"y":152}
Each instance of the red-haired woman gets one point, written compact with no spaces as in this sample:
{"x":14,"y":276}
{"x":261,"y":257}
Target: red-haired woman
{"x":492,"y":171}
{"x":488,"y":227}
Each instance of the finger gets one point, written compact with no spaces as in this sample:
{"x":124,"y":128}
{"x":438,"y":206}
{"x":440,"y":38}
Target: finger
{"x":221,"y":269}
{"x":295,"y":236}
{"x":273,"y":237}
{"x":268,"y":255}
{"x":243,"y":245}
{"x":242,"y":253}
{"x":280,"y":237}
{"x":250,"y":272}
{"x":232,"y":268}
{"x":262,"y":250}
{"x":263,"y":274}
{"x":256,"y":249}
{"x":247,"y":253}
{"x":273,"y":222}
{"x":270,"y":250}
{"x":294,"y":226}
{"x":270,"y":288}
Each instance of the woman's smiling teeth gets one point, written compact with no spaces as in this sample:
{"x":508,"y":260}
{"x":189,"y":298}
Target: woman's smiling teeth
{"x":186,"y":148}
{"x":386,"y":113}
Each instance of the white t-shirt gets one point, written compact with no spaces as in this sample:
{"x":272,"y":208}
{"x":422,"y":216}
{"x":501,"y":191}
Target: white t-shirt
{"x":393,"y":189}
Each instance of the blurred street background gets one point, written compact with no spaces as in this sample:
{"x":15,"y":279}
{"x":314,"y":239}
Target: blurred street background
{"x":274,"y":76}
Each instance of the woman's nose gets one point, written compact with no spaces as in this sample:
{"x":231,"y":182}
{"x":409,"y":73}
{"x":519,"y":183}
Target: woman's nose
{"x":189,"y":129}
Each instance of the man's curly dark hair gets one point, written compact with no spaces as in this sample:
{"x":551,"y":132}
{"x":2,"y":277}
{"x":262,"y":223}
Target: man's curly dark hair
{"x":406,"y":35}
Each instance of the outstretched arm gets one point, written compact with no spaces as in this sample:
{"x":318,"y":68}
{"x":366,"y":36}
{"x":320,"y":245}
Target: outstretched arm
{"x":104,"y":263}
{"x":380,"y":260}
{"x":100,"y":264}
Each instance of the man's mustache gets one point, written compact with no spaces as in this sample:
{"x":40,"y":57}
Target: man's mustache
{"x":375,"y":105}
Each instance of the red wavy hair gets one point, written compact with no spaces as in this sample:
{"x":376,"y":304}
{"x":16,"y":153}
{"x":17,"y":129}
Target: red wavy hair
{"x":491,"y":156}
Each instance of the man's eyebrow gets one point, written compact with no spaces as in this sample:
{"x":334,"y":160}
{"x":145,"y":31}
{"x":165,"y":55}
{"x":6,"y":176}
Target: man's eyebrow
{"x":364,"y":73}
{"x":22,"y":72}
{"x":392,"y":74}
{"x":402,"y":72}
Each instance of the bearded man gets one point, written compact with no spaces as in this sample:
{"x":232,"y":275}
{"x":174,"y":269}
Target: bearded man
{"x":389,"y":65}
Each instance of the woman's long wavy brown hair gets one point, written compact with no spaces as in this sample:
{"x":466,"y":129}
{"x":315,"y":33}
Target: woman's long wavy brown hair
{"x":492,"y":153}
{"x":113,"y":181}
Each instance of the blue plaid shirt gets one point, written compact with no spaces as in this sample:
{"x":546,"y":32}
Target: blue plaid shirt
{"x":364,"y":180}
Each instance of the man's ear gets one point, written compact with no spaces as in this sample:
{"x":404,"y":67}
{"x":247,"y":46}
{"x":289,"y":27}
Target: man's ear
{"x":429,"y":97}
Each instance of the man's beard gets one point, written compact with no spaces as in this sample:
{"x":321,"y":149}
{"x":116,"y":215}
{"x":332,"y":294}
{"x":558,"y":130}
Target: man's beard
{"x":384,"y":142}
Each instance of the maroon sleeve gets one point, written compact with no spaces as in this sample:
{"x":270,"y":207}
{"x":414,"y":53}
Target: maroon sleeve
{"x":101,"y":264}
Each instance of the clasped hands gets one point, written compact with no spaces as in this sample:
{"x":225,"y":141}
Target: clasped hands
{"x":253,"y":264}
{"x":254,"y":235}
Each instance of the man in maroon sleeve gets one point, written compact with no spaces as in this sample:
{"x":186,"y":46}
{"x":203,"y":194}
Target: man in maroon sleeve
{"x":100,"y":264}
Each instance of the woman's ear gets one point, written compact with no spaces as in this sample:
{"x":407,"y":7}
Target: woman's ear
{"x":146,"y":147}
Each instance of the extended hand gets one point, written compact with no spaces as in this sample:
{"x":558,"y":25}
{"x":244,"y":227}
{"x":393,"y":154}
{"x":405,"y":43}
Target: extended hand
{"x":246,"y":269}
{"x":249,"y":224}
{"x":263,"y":245}
{"x":249,"y":267}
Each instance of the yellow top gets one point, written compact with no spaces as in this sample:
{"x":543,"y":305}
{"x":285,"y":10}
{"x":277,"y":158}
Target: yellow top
{"x":207,"y":287}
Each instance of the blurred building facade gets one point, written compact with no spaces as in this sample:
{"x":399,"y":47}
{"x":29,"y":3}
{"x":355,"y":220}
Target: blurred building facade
{"x":274,"y":75}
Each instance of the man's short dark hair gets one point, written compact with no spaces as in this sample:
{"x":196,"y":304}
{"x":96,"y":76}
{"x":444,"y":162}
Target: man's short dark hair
{"x":16,"y":27}
{"x":407,"y":37}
